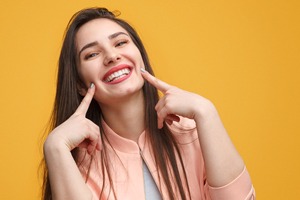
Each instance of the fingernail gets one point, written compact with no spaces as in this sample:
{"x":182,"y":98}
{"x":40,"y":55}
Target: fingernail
{"x":143,"y":70}
{"x":92,"y":85}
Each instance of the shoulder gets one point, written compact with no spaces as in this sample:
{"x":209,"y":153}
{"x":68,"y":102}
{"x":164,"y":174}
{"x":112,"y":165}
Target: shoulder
{"x":184,"y":131}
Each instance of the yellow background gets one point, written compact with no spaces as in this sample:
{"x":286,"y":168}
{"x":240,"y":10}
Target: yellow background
{"x":243,"y":55}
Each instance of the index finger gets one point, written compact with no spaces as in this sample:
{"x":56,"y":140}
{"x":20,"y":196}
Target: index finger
{"x":160,"y":85}
{"x":86,"y":101}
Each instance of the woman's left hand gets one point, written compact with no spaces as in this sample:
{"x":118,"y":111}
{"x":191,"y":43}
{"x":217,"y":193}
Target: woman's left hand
{"x":222,"y":162}
{"x":175,"y":102}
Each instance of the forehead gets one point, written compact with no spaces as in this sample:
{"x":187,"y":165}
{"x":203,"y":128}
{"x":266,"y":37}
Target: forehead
{"x":97,"y":30}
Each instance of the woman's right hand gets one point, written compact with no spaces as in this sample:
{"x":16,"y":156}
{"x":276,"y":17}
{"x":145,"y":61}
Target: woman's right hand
{"x":77,"y":131}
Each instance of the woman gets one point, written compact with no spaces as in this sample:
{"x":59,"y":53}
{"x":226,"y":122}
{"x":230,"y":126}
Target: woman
{"x":113,"y":138}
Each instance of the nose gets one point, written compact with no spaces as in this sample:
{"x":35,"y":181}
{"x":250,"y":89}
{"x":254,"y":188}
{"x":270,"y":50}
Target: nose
{"x":111,"y":57}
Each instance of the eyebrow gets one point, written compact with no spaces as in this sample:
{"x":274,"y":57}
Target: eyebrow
{"x":87,"y":46}
{"x":112,"y":36}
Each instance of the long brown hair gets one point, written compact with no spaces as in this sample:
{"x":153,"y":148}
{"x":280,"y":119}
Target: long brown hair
{"x":163,"y":144}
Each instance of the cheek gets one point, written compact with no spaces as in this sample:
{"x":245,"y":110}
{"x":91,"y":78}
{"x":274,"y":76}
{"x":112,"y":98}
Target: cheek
{"x":134,"y":53}
{"x":88,"y":74}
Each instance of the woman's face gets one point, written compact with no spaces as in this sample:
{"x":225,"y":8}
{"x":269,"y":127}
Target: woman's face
{"x":108,"y":58}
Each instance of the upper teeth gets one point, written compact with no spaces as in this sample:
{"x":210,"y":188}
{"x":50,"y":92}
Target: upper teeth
{"x":117,"y":74}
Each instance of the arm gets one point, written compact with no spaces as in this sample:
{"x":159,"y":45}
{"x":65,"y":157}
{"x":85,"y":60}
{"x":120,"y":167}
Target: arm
{"x":222,"y":162}
{"x":65,"y":178}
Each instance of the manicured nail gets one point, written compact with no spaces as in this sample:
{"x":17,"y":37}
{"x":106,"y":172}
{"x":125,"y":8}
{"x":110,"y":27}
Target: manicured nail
{"x":143,"y":70}
{"x":92,"y":85}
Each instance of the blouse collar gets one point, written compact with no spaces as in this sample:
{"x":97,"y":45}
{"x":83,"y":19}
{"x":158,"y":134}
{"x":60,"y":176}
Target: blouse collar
{"x":122,"y":144}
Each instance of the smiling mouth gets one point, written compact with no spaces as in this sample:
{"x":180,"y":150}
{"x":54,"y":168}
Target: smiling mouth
{"x":117,"y":75}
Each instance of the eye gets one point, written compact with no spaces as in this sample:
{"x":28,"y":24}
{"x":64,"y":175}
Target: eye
{"x":90,"y":55}
{"x":121,"y":43}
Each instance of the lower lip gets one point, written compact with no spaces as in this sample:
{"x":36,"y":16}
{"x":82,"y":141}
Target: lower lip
{"x":119,"y":80}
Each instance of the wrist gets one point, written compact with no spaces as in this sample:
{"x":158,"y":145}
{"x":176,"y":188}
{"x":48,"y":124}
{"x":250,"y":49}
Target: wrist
{"x":54,"y":145}
{"x":205,"y":110}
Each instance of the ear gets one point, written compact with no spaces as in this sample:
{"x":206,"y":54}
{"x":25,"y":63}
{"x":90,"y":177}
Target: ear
{"x":81,"y":89}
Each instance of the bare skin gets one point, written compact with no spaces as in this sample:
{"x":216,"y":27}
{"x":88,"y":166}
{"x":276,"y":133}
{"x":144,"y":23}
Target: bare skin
{"x":123,"y":108}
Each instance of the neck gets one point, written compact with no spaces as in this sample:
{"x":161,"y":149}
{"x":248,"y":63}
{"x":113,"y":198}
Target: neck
{"x":127,"y":117}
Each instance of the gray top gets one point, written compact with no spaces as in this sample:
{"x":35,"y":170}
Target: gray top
{"x":151,"y":190}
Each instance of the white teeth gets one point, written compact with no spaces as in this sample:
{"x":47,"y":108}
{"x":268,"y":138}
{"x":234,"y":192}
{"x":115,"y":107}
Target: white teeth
{"x":117,"y":74}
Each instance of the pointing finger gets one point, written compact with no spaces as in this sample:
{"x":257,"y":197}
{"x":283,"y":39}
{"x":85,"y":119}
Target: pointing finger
{"x":85,"y":103}
{"x":158,"y":84}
